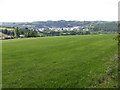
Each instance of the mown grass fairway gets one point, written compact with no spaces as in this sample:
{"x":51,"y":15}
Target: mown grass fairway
{"x":60,"y":62}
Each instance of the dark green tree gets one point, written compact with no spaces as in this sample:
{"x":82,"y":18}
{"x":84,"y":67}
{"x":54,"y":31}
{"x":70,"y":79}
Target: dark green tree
{"x":17,"y":33}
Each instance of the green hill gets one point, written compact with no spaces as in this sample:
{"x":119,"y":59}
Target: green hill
{"x":86,"y":61}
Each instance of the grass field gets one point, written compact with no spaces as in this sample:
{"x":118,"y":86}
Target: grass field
{"x":86,"y":61}
{"x":1,"y":34}
{"x":6,"y":28}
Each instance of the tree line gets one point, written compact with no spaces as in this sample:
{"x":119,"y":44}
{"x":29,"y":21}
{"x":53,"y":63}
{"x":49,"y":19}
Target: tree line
{"x":18,"y":32}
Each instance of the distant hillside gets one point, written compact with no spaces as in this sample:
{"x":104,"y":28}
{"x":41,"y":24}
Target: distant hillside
{"x":83,"y":27}
{"x":50,"y":24}
{"x":106,"y":26}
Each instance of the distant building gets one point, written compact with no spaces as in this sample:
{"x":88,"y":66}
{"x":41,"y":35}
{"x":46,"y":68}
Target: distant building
{"x":22,"y":36}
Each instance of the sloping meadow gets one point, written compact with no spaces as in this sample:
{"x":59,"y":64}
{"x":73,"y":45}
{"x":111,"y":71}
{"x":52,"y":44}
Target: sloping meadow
{"x":81,"y":61}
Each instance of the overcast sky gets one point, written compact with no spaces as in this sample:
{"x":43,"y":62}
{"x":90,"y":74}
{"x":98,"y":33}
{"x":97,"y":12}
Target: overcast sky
{"x":42,"y":10}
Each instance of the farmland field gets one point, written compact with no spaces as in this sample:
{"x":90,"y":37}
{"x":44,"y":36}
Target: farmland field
{"x":6,"y":28}
{"x":83,"y":61}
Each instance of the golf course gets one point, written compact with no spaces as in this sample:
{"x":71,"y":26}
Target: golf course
{"x":79,"y":61}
